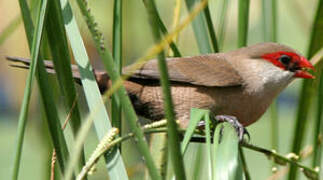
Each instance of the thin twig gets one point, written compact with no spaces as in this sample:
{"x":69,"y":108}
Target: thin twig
{"x":305,"y":153}
{"x":244,"y":164}
{"x":68,"y":117}
{"x":52,"y":169}
{"x":282,"y":159}
{"x":157,"y":128}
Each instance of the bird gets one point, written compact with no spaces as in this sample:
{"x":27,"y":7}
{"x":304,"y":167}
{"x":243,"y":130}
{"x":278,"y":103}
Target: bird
{"x":236,"y":86}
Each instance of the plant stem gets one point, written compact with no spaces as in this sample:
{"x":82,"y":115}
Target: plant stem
{"x":37,"y":34}
{"x":244,"y":164}
{"x":243,"y":22}
{"x":117,"y":56}
{"x":129,"y":112}
{"x":271,"y":153}
{"x":174,"y":144}
{"x":211,"y":29}
{"x":307,"y":90}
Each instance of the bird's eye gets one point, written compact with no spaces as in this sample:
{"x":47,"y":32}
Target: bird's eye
{"x":284,"y":59}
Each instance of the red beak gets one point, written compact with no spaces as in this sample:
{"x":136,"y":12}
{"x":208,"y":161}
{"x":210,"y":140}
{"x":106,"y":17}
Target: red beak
{"x":304,"y":64}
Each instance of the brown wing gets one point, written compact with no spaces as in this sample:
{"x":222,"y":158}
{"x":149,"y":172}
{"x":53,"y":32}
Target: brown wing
{"x":207,"y":70}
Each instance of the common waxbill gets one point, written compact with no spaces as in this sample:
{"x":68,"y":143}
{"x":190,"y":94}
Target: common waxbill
{"x":239,"y":84}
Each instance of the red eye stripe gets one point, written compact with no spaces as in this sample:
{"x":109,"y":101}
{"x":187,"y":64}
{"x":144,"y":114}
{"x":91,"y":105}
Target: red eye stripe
{"x":274,"y":58}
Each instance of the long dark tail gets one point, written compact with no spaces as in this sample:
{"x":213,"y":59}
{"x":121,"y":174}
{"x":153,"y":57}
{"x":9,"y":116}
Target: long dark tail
{"x":101,"y":77}
{"x":134,"y":89}
{"x":25,"y":63}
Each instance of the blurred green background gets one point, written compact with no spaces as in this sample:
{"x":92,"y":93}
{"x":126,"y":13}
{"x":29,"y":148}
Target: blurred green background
{"x":294,"y":23}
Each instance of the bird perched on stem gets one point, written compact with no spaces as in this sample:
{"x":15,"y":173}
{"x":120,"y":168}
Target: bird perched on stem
{"x":237,"y":86}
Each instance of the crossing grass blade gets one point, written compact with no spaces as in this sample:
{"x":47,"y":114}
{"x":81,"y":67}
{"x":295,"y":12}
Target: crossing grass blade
{"x":10,"y":29}
{"x":162,"y":28}
{"x":35,"y":45}
{"x":222,"y":22}
{"x":318,"y":128}
{"x":116,"y":168}
{"x":117,"y":56}
{"x":130,"y":115}
{"x":269,"y":9}
{"x":243,"y":22}
{"x":46,"y":93}
{"x":62,"y":64}
{"x":172,"y":132}
{"x":208,"y":144}
{"x":307,"y":89}
{"x":211,"y":29}
{"x":196,"y":116}
{"x":226,"y":153}
{"x":200,"y":29}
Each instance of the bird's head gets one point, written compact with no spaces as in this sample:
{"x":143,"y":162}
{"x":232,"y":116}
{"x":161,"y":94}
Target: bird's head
{"x":282,"y":57}
{"x":290,"y":61}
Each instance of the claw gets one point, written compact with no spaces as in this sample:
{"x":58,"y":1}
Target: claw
{"x":241,"y":131}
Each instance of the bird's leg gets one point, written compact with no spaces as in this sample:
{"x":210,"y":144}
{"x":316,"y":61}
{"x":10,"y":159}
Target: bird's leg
{"x":235,"y":123}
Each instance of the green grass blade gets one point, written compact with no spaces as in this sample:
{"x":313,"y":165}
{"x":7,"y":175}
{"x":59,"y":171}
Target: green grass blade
{"x":211,"y":29}
{"x":28,"y":24}
{"x":222,"y":22}
{"x":195,"y":118}
{"x":46,"y":93}
{"x":174,"y":143}
{"x":102,"y":124}
{"x":269,"y":10}
{"x":200,"y":29}
{"x":244,"y":164}
{"x":226,"y":153}
{"x":318,"y":129}
{"x":117,"y":56}
{"x":274,"y":14}
{"x":243,"y":22}
{"x":198,"y":160}
{"x":61,"y":58}
{"x":10,"y":29}
{"x":270,"y":34}
{"x":159,"y":151}
{"x":27,"y":93}
{"x":127,"y":107}
{"x":307,"y":90}
{"x":163,"y":28}
{"x":318,"y":132}
{"x":208,"y":144}
{"x":79,"y":141}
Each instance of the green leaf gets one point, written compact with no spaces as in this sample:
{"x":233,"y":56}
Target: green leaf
{"x":173,"y":135}
{"x":307,"y":90}
{"x":117,"y":56}
{"x":115,"y":165}
{"x":269,"y":9}
{"x":129,"y":112}
{"x":243,"y":22}
{"x":208,"y":143}
{"x":159,"y":151}
{"x":62,"y":64}
{"x":10,"y":29}
{"x":35,"y":45}
{"x":200,"y":29}
{"x":226,"y":153}
{"x":162,"y":27}
{"x":222,"y":22}
{"x":196,"y":116}
{"x":211,"y":30}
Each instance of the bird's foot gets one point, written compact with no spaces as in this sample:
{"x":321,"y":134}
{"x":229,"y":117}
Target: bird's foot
{"x":235,"y":123}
